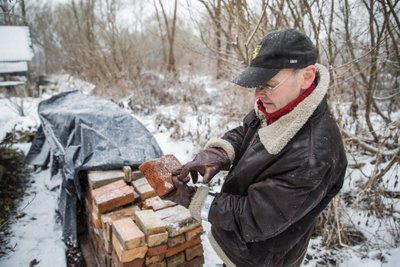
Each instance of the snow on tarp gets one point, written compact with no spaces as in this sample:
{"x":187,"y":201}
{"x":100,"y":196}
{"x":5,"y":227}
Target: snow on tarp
{"x":83,"y":132}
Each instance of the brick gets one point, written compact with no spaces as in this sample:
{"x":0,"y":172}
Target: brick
{"x":196,"y":232}
{"x":176,"y":260}
{"x":193,"y":252}
{"x":128,"y":233}
{"x":127,"y":170}
{"x":158,"y":250}
{"x":94,"y":236}
{"x":149,"y":223}
{"x":188,"y":244}
{"x":107,"y":188}
{"x":100,"y":178}
{"x":156,"y":203}
{"x":96,"y":220}
{"x":143,"y":188}
{"x":158,"y":264}
{"x":157,"y":239}
{"x":114,"y":199}
{"x":196,"y":262}
{"x":127,"y":255}
{"x":117,"y":263}
{"x":108,"y":218}
{"x":158,"y":173}
{"x":137,"y":175}
{"x":178,"y":220}
{"x":176,"y":240}
{"x":154,"y":259}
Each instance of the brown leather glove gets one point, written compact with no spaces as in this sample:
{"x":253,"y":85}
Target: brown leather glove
{"x":183,"y":194}
{"x":207,"y":162}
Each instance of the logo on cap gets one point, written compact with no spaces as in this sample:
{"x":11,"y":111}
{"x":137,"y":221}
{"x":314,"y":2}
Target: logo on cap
{"x":256,"y":52}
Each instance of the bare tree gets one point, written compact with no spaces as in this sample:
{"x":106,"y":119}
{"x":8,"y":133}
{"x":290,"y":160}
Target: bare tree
{"x":170,"y":29}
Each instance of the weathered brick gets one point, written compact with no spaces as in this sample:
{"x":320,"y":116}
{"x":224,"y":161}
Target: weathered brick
{"x":96,"y":220}
{"x":114,"y":199}
{"x":178,"y":220}
{"x":196,"y":232}
{"x":107,"y":188}
{"x":193,"y":252}
{"x":127,"y":255}
{"x":188,"y":244}
{"x":154,"y":259}
{"x":158,"y":250}
{"x":100,"y":178}
{"x":157,"y":239}
{"x":108,"y":218}
{"x":156,"y":203}
{"x":176,"y":260}
{"x":117,"y":263}
{"x":148,"y":222}
{"x":97,"y":243}
{"x":137,"y":175}
{"x":127,"y":170}
{"x":176,"y":240}
{"x":158,"y":173}
{"x":158,"y":264}
{"x":144,"y":189}
{"x":196,"y":262}
{"x":128,"y":233}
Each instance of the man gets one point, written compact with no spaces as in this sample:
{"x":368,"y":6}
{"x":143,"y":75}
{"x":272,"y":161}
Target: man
{"x":286,"y":162}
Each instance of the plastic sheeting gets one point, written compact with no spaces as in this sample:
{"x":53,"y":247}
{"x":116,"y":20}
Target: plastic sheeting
{"x":80,"y":132}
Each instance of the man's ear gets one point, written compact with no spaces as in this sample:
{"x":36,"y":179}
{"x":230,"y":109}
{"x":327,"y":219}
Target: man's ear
{"x":308,"y":76}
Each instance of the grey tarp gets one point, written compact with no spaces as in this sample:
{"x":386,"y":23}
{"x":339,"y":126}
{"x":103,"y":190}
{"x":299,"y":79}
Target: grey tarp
{"x":83,"y":132}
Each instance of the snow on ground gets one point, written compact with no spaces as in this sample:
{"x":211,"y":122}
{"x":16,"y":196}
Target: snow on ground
{"x":37,"y":234}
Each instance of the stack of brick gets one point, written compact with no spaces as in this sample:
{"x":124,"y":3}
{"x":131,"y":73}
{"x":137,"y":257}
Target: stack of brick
{"x":129,"y":224}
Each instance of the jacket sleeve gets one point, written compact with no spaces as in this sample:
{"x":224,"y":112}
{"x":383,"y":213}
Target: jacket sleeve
{"x":271,"y":205}
{"x":232,"y":140}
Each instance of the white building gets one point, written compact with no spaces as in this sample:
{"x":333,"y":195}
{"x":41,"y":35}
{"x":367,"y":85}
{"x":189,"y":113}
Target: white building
{"x":15,"y":52}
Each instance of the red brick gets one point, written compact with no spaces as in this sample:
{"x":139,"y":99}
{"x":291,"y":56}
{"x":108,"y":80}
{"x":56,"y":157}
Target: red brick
{"x":158,"y":173}
{"x":128,"y":233}
{"x":176,"y":260}
{"x":158,"y":264}
{"x":117,"y":263}
{"x":193,"y":252}
{"x":149,"y":223}
{"x":157,"y":239}
{"x":188,"y":244}
{"x":130,"y":254}
{"x":114,"y":199}
{"x":137,"y":175}
{"x":176,"y":240}
{"x":96,"y":220}
{"x":154,"y":259}
{"x":178,"y":220}
{"x":143,"y":188}
{"x":196,"y":232}
{"x":158,"y":250}
{"x":106,"y":188}
{"x":97,"y":179}
{"x":108,"y":218}
{"x":156,"y":203}
{"x":196,"y":262}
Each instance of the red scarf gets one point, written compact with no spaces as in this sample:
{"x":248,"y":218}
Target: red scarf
{"x":274,"y":116}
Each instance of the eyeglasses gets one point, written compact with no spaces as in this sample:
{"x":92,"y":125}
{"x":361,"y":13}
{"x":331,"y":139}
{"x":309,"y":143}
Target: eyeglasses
{"x":267,"y":89}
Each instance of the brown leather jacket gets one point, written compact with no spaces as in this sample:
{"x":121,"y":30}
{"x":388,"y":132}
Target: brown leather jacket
{"x":266,"y":211}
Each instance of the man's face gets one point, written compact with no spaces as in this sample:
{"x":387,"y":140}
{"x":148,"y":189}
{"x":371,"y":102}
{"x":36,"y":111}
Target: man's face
{"x":282,"y":89}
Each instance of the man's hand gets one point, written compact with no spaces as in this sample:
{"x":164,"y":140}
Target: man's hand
{"x":183,"y":194}
{"x":207,"y":162}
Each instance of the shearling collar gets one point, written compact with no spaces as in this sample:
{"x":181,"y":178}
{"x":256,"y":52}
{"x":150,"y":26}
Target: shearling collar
{"x":275,"y":136}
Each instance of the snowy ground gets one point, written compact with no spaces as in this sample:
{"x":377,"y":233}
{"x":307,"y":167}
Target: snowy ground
{"x":36,"y":234}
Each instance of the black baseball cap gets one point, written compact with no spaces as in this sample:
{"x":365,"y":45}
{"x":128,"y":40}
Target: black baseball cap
{"x":287,"y":48}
